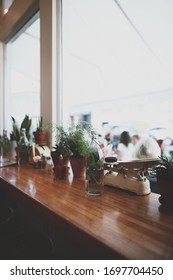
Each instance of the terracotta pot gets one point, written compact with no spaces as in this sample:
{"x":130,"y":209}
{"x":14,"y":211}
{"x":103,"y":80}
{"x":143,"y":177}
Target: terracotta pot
{"x":57,"y":163}
{"x":55,"y":157}
{"x":40,"y":137}
{"x":166,"y":192}
{"x":78,"y":166}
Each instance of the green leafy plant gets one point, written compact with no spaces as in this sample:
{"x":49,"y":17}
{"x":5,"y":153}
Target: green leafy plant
{"x":5,"y":143}
{"x":77,"y":140}
{"x":39,"y":124}
{"x":93,"y":170}
{"x":95,"y":159}
{"x":16,"y":129}
{"x":62,"y":146}
{"x":164,"y":169}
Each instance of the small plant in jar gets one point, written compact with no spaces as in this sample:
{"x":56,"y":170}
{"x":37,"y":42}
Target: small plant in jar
{"x":95,"y":170}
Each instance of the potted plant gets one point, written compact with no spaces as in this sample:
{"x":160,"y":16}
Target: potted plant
{"x":40,"y":134}
{"x":61,"y":148}
{"x":22,"y":134}
{"x":16,"y":129}
{"x":78,"y":144}
{"x":164,"y":173}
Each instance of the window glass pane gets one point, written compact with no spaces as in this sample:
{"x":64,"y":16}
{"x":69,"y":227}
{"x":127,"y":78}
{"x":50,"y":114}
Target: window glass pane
{"x":118,"y":62}
{"x":25,"y":73}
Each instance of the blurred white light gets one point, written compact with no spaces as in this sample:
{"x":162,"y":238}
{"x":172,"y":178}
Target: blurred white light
{"x":5,"y":11}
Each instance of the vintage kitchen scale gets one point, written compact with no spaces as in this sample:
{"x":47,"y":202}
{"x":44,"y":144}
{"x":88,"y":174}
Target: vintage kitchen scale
{"x":130,"y":176}
{"x":41,"y":150}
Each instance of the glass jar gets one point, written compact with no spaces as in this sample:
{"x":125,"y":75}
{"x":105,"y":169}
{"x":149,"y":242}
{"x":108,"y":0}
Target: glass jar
{"x":94,"y":183}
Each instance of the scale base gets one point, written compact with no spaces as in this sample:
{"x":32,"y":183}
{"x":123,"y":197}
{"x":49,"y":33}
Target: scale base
{"x":124,"y":182}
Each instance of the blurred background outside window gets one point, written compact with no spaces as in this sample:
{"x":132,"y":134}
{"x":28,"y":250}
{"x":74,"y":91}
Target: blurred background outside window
{"x":118,"y":65}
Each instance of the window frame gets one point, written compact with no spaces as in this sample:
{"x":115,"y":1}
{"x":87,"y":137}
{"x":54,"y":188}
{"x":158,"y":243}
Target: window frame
{"x":50,"y":62}
{"x":7,"y":72}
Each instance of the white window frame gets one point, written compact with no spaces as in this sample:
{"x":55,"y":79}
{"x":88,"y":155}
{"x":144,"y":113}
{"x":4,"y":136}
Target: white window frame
{"x":50,"y":68}
{"x":7,"y":73}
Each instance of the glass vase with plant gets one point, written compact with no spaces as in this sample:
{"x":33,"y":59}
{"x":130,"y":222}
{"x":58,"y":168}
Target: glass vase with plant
{"x":95,"y":167}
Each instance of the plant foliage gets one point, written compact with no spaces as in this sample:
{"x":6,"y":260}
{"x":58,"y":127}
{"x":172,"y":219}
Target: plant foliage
{"x":62,"y":146}
{"x":78,"y":142}
{"x":165,"y":168}
{"x":4,"y":143}
{"x":16,"y":129}
{"x":40,"y":124}
{"x":95,"y":166}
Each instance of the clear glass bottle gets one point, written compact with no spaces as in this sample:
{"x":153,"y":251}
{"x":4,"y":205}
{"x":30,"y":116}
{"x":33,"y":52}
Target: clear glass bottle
{"x":94,"y":182}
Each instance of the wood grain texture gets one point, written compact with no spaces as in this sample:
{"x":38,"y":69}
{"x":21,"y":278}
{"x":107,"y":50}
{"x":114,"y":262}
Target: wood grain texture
{"x":118,"y":224}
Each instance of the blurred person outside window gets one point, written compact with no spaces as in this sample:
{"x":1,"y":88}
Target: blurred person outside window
{"x":125,"y":148}
{"x":161,"y":145}
{"x":135,"y":139}
{"x":109,"y":149}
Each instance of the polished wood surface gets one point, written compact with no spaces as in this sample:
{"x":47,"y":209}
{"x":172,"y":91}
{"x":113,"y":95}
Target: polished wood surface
{"x":118,"y":224}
